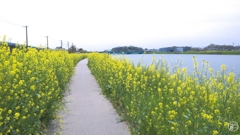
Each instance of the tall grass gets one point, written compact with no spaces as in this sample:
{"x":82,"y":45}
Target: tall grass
{"x":154,"y":101}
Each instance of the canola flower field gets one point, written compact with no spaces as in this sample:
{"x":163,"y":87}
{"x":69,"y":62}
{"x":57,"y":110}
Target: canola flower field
{"x":159,"y":99}
{"x":32,"y":85}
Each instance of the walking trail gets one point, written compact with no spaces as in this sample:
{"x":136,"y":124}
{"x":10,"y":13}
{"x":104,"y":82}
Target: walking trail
{"x":88,"y":112}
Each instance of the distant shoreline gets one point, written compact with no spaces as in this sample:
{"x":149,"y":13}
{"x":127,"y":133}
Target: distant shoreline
{"x":200,"y":52}
{"x":187,"y":52}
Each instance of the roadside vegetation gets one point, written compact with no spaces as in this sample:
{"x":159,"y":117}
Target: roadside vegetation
{"x":32,"y":86}
{"x":154,"y":102}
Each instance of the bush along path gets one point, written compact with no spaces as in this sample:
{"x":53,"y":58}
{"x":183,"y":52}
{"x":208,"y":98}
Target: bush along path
{"x":88,"y":112}
{"x":164,"y":100}
{"x":32,"y":83}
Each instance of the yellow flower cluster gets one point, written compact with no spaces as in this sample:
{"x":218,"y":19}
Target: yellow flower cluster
{"x":160,"y":99}
{"x":32,"y":84}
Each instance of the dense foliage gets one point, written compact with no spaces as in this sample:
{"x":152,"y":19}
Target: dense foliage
{"x":221,"y":47}
{"x":155,"y":100}
{"x":32,"y":84}
{"x":127,"y":49}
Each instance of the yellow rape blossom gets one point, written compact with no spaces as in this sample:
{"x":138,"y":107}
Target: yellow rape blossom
{"x":16,"y":115}
{"x":31,"y":80}
{"x":154,"y":98}
{"x":215,"y":132}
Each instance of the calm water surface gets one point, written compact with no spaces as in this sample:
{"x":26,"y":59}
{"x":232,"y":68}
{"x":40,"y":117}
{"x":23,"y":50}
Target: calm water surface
{"x":215,"y":61}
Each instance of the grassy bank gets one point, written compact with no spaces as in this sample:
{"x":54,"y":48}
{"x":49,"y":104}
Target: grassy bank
{"x":200,"y":52}
{"x":32,"y":84}
{"x":154,"y":101}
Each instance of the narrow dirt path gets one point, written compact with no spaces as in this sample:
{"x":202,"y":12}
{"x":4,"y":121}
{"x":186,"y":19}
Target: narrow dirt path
{"x":88,"y":112}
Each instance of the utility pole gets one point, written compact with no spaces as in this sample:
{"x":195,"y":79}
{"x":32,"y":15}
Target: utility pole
{"x":72,"y":48}
{"x":61,"y":43}
{"x":68,"y":45}
{"x":26,"y":36}
{"x":47,"y":42}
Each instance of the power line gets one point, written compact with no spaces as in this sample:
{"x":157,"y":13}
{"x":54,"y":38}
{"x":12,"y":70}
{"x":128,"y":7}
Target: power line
{"x":36,"y":34}
{"x":9,"y":22}
{"x":53,"y":39}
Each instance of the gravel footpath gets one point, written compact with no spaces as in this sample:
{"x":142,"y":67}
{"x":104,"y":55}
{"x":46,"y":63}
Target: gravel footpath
{"x":88,"y":112}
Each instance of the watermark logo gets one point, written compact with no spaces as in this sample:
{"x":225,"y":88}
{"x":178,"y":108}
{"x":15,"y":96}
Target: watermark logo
{"x":233,"y":126}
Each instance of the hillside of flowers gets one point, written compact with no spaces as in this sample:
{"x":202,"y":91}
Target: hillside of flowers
{"x":163,"y":100}
{"x":32,"y":84}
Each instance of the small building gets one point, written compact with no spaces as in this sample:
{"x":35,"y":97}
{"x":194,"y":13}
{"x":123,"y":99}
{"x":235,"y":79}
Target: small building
{"x":154,"y":50}
{"x":58,"y":48}
{"x":167,"y":49}
{"x":197,"y":48}
{"x":175,"y":49}
{"x":179,"y":49}
{"x":148,"y":50}
{"x":11,"y":46}
{"x":187,"y":48}
{"x":237,"y":48}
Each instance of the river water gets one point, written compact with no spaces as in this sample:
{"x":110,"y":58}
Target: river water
{"x":232,"y":62}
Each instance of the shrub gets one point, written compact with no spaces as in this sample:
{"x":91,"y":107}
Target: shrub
{"x":156,"y":101}
{"x":32,"y":84}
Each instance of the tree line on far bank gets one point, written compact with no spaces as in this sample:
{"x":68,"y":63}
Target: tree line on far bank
{"x":127,"y":49}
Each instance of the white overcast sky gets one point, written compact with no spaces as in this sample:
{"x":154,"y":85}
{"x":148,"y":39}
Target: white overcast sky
{"x":96,"y":25}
